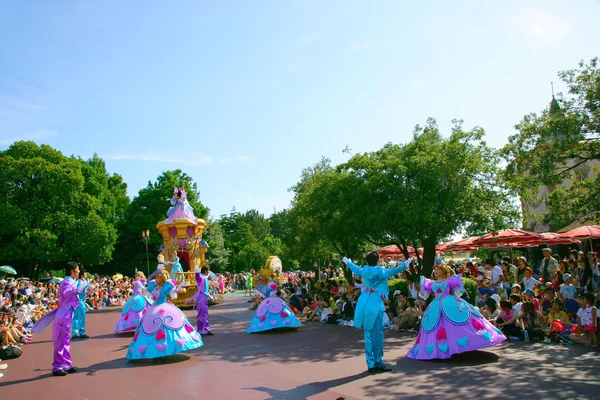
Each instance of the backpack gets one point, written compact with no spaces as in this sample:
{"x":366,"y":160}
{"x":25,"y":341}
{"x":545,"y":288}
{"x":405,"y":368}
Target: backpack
{"x":9,"y":352}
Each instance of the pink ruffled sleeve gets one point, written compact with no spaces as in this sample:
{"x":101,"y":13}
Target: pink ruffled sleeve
{"x":425,"y":285}
{"x":455,"y":284}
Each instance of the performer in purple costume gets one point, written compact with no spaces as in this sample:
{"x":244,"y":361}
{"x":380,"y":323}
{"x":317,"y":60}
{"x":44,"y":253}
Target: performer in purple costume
{"x":450,"y":325}
{"x":63,"y":317}
{"x":202,"y":301}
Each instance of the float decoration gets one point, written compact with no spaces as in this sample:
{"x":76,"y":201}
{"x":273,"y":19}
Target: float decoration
{"x":182,"y":233}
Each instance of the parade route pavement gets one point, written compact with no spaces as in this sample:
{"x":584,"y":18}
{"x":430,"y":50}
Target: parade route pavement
{"x":318,"y":361}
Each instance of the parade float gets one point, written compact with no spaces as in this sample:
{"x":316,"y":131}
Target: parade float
{"x":182,"y":240}
{"x":272,"y":271}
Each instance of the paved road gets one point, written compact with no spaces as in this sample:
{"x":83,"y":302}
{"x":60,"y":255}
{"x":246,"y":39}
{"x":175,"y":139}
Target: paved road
{"x":317,"y":362}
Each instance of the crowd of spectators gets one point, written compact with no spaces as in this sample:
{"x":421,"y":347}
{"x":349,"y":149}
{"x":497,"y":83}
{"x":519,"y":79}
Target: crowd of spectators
{"x":552,"y":300}
{"x":23,"y":302}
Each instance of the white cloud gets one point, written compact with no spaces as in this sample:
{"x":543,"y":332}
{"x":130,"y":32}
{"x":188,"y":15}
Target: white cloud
{"x":171,"y":158}
{"x":542,"y":27}
{"x":35,"y":136}
{"x":365,"y":44}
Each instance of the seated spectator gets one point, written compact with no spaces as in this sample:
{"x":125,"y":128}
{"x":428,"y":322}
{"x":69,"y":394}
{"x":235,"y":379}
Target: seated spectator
{"x":508,"y":320}
{"x":533,"y":321}
{"x":515,"y":300}
{"x":587,"y":323}
{"x":408,"y":317}
{"x":529,"y":295}
{"x":490,"y":311}
{"x":567,"y":295}
{"x":346,"y":309}
{"x":556,"y":312}
{"x":550,"y":296}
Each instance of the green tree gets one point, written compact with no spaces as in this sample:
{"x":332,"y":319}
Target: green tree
{"x":553,"y":146}
{"x":414,"y":194}
{"x":218,"y":255}
{"x":56,"y":208}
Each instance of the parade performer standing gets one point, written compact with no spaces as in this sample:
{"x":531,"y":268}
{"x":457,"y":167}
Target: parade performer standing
{"x":176,"y":268}
{"x":201,"y":301}
{"x":136,"y":306}
{"x":450,"y":325}
{"x":371,"y":307}
{"x":61,"y":319}
{"x":164,"y":330}
{"x":79,"y":313}
{"x":161,"y":261}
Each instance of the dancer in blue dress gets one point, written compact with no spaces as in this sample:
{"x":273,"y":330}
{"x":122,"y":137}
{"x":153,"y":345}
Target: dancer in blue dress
{"x":79,"y":313}
{"x":135,"y":308}
{"x":272,"y":313}
{"x":164,"y":330}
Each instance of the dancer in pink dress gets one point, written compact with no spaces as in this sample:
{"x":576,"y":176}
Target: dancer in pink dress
{"x":450,"y":325}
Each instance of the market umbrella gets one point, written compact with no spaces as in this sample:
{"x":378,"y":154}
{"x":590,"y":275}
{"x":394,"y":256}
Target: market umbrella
{"x":8,"y":270}
{"x":464,"y":244}
{"x":506,"y":238}
{"x":583,"y":232}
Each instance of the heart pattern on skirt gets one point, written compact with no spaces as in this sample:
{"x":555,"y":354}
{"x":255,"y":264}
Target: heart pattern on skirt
{"x":160,"y":335}
{"x":180,"y":342}
{"x":161,"y":346}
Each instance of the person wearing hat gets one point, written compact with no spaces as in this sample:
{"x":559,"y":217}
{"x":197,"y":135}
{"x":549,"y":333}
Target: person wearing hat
{"x":161,"y":261}
{"x":567,"y":295}
{"x":548,"y":267}
{"x":515,"y":289}
{"x":529,"y":296}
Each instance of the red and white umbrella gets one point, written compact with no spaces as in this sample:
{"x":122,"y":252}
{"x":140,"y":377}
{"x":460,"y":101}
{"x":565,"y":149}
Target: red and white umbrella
{"x":464,"y":244}
{"x":583,"y":232}
{"x":507,"y":238}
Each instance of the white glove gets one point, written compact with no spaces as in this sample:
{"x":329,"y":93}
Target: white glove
{"x":345,"y":260}
{"x":161,"y":267}
{"x":197,"y":269}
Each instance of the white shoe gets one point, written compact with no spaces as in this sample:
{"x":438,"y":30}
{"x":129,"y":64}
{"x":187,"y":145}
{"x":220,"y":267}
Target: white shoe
{"x":3,"y":366}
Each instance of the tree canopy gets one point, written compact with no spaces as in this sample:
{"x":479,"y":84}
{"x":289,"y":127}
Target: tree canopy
{"x":557,"y":145}
{"x":415,"y":194}
{"x":56,"y":208}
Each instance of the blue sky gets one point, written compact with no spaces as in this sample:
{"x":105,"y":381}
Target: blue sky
{"x":243,"y":95}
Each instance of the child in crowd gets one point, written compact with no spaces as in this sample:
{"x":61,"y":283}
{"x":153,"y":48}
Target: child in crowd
{"x":587,"y":319}
{"x":529,"y":295}
{"x":556,"y":312}
{"x":509,"y":320}
{"x":567,"y":295}
{"x":529,"y":282}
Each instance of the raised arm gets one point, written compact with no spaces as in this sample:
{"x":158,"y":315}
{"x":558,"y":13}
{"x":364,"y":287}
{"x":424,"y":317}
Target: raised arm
{"x":395,"y":271}
{"x":356,"y":270}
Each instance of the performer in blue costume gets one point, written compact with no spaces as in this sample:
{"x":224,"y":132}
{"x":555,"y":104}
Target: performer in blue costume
{"x":176,"y":268}
{"x":371,"y":306}
{"x":164,"y":330}
{"x":272,"y":313}
{"x":79,"y":313}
